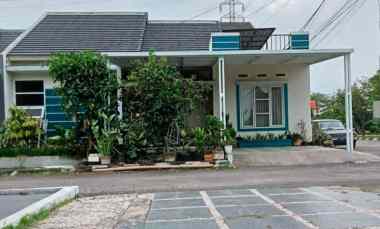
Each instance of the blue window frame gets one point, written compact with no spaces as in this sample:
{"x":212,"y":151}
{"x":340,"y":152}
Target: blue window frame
{"x":262,"y":106}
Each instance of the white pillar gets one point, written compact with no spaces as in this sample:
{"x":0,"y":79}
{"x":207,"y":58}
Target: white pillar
{"x":348,"y":105}
{"x":222,"y":85}
{"x":119,"y":94}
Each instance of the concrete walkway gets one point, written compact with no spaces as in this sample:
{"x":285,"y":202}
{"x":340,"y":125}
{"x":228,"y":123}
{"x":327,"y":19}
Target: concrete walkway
{"x":286,"y":156}
{"x":161,"y":181}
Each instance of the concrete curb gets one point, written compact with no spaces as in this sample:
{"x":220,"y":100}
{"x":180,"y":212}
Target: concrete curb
{"x":59,"y":195}
{"x":369,"y":138}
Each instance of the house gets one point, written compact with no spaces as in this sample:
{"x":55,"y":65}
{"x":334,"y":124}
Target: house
{"x":261,"y":80}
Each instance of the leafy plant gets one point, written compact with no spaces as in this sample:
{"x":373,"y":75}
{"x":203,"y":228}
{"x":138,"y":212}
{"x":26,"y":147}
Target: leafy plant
{"x":155,"y":96}
{"x":87,"y":85}
{"x":20,"y":129}
{"x":200,"y":139}
{"x":105,"y":135}
{"x":214,"y":128}
{"x":229,"y":136}
{"x":135,"y":139}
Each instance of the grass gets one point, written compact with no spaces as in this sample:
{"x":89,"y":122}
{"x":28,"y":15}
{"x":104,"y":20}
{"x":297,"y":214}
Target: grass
{"x":28,"y":221}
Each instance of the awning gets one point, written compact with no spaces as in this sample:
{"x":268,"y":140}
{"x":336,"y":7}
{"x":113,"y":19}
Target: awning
{"x":208,"y":58}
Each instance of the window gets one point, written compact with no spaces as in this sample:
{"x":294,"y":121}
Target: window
{"x":261,"y":106}
{"x":29,"y":93}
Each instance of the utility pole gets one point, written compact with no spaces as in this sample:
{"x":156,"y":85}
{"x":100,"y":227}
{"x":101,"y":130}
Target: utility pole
{"x":235,"y":10}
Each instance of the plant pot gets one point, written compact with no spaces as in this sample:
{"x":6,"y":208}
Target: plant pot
{"x":298,"y":142}
{"x":170,"y":156}
{"x":105,"y":160}
{"x":209,"y":156}
{"x":229,"y":151}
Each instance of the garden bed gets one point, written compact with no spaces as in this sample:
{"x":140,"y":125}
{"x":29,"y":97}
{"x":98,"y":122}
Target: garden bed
{"x":264,"y":143}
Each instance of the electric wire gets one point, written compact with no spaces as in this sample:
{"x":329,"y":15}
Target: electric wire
{"x":348,"y":14}
{"x":314,"y":15}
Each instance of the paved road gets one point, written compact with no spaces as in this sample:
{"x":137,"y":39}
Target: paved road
{"x":161,"y":181}
{"x":369,"y":147}
{"x":10,"y":204}
{"x":274,"y":208}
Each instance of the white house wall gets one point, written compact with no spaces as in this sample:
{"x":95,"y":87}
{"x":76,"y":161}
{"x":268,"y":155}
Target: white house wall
{"x":297,"y":79}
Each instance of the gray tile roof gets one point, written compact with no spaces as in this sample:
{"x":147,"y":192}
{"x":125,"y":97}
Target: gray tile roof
{"x":236,"y":26}
{"x":178,"y":36}
{"x":120,"y":32}
{"x":112,"y":32}
{"x":7,"y":36}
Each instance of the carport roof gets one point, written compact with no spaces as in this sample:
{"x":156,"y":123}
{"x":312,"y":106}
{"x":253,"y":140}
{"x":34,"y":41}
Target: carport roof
{"x":207,"y":58}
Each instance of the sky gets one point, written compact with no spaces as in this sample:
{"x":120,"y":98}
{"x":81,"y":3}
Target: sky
{"x":360,"y":31}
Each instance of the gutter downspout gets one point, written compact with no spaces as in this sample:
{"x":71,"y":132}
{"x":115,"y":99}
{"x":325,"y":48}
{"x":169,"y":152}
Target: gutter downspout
{"x":5,"y":85}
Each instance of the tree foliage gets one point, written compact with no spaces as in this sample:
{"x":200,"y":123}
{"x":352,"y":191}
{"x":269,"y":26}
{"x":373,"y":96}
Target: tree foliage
{"x":364,"y":92}
{"x":156,"y":95}
{"x":87,"y":86}
{"x":20,"y":130}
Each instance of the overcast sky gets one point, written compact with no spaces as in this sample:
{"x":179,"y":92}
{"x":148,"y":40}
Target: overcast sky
{"x":360,"y":32}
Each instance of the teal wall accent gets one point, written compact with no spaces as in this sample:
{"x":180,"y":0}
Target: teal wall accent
{"x":300,"y":41}
{"x":286,"y":126}
{"x":222,"y":43}
{"x":55,"y":115}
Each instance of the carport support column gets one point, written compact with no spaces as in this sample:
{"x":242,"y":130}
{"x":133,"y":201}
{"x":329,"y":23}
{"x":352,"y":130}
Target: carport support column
{"x":222,"y":94}
{"x":348,"y":103}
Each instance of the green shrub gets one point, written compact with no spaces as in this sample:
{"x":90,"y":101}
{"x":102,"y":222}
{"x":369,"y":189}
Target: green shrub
{"x":374,"y":126}
{"x":20,"y":130}
{"x":214,"y":128}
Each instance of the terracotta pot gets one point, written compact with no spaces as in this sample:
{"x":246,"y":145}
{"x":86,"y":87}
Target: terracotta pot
{"x":209,"y":156}
{"x":298,"y":142}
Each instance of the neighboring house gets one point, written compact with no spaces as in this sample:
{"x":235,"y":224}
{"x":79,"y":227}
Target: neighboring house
{"x":376,"y":110}
{"x":261,"y":80}
{"x":6,"y":37}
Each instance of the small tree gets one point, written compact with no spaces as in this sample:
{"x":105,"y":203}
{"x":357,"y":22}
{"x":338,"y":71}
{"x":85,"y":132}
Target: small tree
{"x":156,"y":96}
{"x":88,"y":87}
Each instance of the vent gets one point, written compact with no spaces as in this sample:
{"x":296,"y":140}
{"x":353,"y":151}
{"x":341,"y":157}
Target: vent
{"x":281,"y":75}
{"x":243,"y":75}
{"x":261,"y":76}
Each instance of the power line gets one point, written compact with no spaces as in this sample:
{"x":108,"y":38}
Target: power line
{"x":349,"y":13}
{"x":209,"y":10}
{"x":330,"y":21}
{"x":233,"y":8}
{"x":314,"y":15}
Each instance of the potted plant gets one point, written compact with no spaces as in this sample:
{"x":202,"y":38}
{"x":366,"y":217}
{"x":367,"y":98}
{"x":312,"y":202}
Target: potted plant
{"x":214,"y":131}
{"x":297,"y":139}
{"x":200,"y":141}
{"x":105,"y":138}
{"x":229,"y":135}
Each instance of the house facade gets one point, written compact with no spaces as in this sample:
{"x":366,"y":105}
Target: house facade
{"x":260,"y":80}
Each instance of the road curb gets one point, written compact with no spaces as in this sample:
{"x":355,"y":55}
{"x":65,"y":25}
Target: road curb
{"x":59,"y":195}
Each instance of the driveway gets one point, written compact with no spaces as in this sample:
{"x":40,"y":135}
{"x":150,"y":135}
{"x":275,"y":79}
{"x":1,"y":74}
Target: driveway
{"x":162,"y":181}
{"x":372,"y":147}
{"x":264,"y":208}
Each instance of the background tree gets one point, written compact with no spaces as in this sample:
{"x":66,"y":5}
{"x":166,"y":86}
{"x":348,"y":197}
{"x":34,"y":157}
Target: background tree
{"x":88,"y":87}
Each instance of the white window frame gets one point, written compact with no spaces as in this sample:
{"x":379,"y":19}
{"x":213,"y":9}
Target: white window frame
{"x":268,"y":85}
{"x":29,"y":93}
